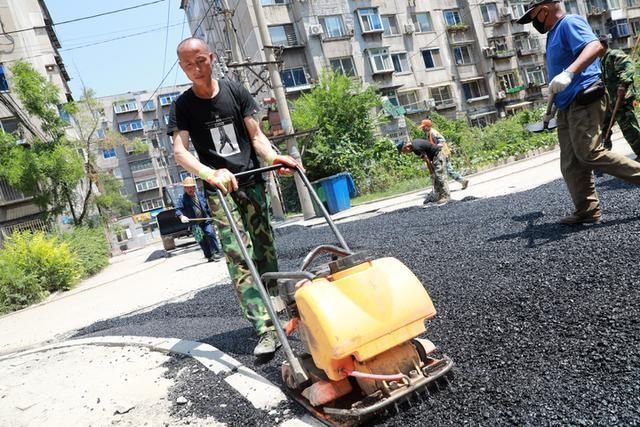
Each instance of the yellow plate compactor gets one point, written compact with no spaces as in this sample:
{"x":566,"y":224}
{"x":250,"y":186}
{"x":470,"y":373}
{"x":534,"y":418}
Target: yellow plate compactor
{"x":358,"y":320}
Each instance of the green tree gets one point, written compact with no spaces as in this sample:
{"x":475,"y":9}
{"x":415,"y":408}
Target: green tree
{"x":51,"y":169}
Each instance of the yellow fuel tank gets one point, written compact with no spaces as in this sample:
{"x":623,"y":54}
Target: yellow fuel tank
{"x":361,"y":311}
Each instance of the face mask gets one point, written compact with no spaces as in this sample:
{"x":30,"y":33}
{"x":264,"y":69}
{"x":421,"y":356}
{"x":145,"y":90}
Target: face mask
{"x":539,"y":26}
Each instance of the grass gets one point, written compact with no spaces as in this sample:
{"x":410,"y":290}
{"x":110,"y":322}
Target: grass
{"x":394,"y":190}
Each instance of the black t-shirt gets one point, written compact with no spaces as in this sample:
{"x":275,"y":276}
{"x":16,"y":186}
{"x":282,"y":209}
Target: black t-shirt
{"x":422,"y":146}
{"x":216,"y":127}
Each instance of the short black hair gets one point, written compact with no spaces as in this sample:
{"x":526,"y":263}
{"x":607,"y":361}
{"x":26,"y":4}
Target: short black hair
{"x":187,"y":40}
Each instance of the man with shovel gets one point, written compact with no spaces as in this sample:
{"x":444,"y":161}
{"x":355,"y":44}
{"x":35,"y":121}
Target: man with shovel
{"x":193,"y":204}
{"x":618,"y":70}
{"x":578,"y":93}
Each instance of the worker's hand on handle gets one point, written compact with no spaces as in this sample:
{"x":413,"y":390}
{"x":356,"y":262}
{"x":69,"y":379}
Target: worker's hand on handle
{"x":622,"y":91}
{"x":288,"y":161}
{"x":184,"y":219}
{"x":223,"y":179}
{"x":560,"y":82}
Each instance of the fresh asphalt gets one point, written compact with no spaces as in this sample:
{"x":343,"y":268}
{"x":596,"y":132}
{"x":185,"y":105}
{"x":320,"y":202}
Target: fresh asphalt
{"x":539,"y":318}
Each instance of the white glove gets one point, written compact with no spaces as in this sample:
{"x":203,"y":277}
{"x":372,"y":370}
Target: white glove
{"x":560,"y":82}
{"x":184,"y":219}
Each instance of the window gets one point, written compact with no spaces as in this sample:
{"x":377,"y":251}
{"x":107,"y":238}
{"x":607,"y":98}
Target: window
{"x":441,"y":95}
{"x":141,"y":165}
{"x":9,"y":125}
{"x":109,"y":153}
{"x":422,"y":22}
{"x":147,"y":205}
{"x":148,"y":184}
{"x":100,"y":133}
{"x":380,"y":60}
{"x":595,"y":7}
{"x":117,"y":172}
{"x":527,"y":44}
{"x":151,"y":125}
{"x":333,"y":26}
{"x":517,"y":9}
{"x":4,"y":86}
{"x":400,"y":62}
{"x":392,"y":96}
{"x":508,"y":81}
{"x":463,"y":55}
{"x":148,"y":105}
{"x":125,"y":107}
{"x":535,"y":76}
{"x":571,"y":6}
{"x":613,"y":4}
{"x":390,"y":25}
{"x":500,"y":44}
{"x":370,"y":20}
{"x":483,"y":120}
{"x":635,"y":26}
{"x":294,"y":77}
{"x":64,"y":115}
{"x":270,"y":2}
{"x":619,"y":29}
{"x":130,"y":126}
{"x":633,"y":3}
{"x":343,"y":65}
{"x":489,"y":13}
{"x":452,"y":17}
{"x":168,"y":99}
{"x":409,"y":100}
{"x":184,"y":174}
{"x":474,"y":89}
{"x":283,"y":35}
{"x":431,"y":58}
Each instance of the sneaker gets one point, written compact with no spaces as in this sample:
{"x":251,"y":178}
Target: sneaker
{"x":464,"y":183}
{"x":574,"y":219}
{"x":442,"y":201}
{"x":267,"y":344}
{"x":218,"y":255}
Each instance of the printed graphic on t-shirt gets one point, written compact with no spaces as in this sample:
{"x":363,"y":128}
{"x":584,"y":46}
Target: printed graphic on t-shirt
{"x":224,"y":137}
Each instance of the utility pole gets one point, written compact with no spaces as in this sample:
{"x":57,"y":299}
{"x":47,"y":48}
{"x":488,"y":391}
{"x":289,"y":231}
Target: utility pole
{"x":236,"y":56}
{"x":283,"y":108}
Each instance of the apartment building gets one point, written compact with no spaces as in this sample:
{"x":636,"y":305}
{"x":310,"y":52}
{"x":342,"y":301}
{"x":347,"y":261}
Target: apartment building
{"x":144,"y":163}
{"x":462,"y":58}
{"x":26,"y":33}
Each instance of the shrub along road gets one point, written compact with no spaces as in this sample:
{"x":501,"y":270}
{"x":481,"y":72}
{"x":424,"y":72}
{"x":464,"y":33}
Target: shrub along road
{"x":539,"y":318}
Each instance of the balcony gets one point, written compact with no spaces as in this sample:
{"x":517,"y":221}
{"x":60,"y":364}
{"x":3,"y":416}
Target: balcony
{"x":457,"y":28}
{"x":445,"y":104}
{"x":515,"y":89}
{"x":527,"y":51}
{"x":504,"y":54}
{"x":9,"y":195}
{"x":415,"y":108}
{"x":595,"y":11}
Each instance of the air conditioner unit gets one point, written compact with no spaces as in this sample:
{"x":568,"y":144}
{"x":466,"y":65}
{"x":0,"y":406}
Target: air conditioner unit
{"x":431,"y":103}
{"x":315,"y":30}
{"x":501,"y":94}
{"x":505,"y":11}
{"x":409,"y":28}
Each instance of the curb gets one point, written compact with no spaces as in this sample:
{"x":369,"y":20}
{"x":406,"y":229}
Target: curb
{"x":259,"y":391}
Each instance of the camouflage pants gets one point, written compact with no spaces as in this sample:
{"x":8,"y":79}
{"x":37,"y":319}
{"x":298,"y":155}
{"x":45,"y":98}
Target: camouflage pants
{"x":439,"y":178}
{"x":626,"y":119}
{"x":250,"y":210}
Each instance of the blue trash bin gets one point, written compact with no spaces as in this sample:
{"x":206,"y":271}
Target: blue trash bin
{"x":337,"y":190}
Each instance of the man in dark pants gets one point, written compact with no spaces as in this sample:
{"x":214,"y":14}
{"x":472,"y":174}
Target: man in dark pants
{"x":435,"y":159}
{"x":618,"y":71}
{"x":574,"y":69}
{"x":197,"y":115}
{"x":192,"y":204}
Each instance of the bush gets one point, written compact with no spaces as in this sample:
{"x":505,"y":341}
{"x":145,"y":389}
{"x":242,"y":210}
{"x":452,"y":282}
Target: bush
{"x":90,"y":247}
{"x":53,"y":265}
{"x":18,"y":288}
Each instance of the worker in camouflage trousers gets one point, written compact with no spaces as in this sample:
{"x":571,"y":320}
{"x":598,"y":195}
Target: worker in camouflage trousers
{"x":436,"y":138}
{"x":618,"y":70}
{"x":217,"y":117}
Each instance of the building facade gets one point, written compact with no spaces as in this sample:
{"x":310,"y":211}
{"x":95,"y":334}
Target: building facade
{"x":141,"y":155}
{"x":26,"y":33}
{"x":462,"y":58}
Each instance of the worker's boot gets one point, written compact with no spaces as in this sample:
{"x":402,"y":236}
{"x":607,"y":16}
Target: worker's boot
{"x":267,"y":344}
{"x":464,"y":183}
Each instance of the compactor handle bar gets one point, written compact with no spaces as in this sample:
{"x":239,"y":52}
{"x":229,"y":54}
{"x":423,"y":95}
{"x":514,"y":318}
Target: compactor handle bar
{"x":312,"y":193}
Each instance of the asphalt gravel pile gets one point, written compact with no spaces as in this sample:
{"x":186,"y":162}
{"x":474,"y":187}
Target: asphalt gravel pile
{"x":539,"y":318}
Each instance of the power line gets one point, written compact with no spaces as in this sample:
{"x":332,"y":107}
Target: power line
{"x":166,"y":37}
{"x":83,"y":18}
{"x":117,"y":38}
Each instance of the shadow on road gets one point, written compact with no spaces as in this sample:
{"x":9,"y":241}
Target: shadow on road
{"x":548,"y":232}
